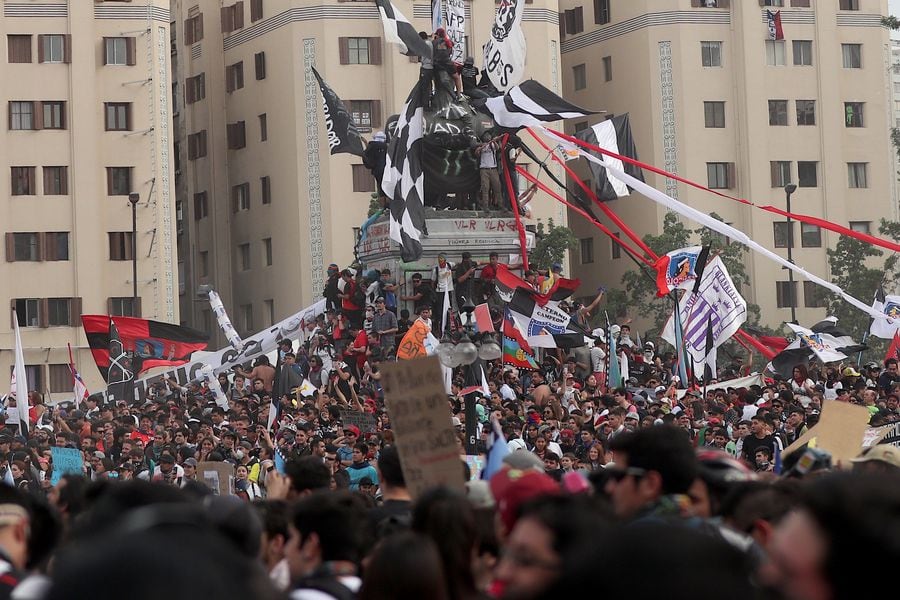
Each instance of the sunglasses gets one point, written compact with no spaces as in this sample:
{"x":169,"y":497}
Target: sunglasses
{"x":617,"y":474}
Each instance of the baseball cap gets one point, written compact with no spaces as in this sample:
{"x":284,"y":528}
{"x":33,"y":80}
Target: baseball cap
{"x":850,"y":372}
{"x":190,"y":462}
{"x":882,"y":452}
{"x":352,"y":429}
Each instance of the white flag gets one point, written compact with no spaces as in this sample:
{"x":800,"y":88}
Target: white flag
{"x":504,"y":53}
{"x":886,"y":328}
{"x":231,"y":334}
{"x":456,"y":29}
{"x":822,"y":344}
{"x":19,"y":381}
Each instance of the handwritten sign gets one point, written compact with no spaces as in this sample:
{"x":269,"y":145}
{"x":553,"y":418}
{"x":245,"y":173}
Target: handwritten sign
{"x":218,"y":476}
{"x":420,"y":418}
{"x":66,"y":461}
{"x":365,"y":421}
{"x":840,"y":428}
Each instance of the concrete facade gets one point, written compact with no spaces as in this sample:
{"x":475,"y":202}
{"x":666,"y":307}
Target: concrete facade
{"x":87,"y":88}
{"x":656,"y":51}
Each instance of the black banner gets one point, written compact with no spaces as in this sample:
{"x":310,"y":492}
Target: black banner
{"x":339,"y":126}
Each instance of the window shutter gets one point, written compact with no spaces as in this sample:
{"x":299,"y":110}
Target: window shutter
{"x":44,"y":312}
{"x":10,"y":247}
{"x":128,"y":117}
{"x":238,"y":14}
{"x":37,"y":115}
{"x":695,"y":3}
{"x":562,"y":25}
{"x":31,"y":182}
{"x":242,"y":134}
{"x":189,"y":97}
{"x":344,"y":46}
{"x":188,"y":32}
{"x":138,"y":312}
{"x":260,"y":64}
{"x":109,"y":306}
{"x":727,"y":3}
{"x":41,"y":48}
{"x":9,"y":115}
{"x":229,"y":79}
{"x":375,"y":51}
{"x":762,"y":2}
{"x":800,"y":3}
{"x":131,"y":51}
{"x":74,"y":311}
{"x":42,"y":250}
{"x":376,"y":113}
{"x":109,"y":181}
{"x":579,"y":19}
{"x":198,"y":25}
{"x":106,"y":51}
{"x":12,"y":315}
{"x":67,"y":48}
{"x":732,"y":176}
{"x":227,"y":19}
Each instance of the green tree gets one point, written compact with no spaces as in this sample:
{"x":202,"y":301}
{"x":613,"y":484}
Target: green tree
{"x":374,"y":204}
{"x":891,"y":22}
{"x":552,"y":243}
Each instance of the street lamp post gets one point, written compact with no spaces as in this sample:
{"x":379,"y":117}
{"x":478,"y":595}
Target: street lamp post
{"x":788,"y":190}
{"x":133,"y":198}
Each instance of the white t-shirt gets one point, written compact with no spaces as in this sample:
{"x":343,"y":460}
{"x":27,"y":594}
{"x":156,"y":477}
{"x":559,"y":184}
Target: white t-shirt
{"x":444,"y":281}
{"x":598,"y":360}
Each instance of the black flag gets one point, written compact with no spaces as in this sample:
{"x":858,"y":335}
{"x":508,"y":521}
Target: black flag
{"x":342,"y":133}
{"x":613,"y":135}
{"x":120,"y":375}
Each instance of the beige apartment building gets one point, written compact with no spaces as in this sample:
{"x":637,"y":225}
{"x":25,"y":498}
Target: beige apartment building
{"x":87,"y":92}
{"x":264,"y":207}
{"x":715,"y":100}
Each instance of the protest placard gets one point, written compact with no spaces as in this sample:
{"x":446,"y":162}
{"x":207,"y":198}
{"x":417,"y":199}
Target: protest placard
{"x":365,"y":421}
{"x":66,"y":461}
{"x":420,"y":419}
{"x":840,"y":428}
{"x":218,"y":476}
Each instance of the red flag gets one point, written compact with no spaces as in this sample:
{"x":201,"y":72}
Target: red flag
{"x":774,"y":20}
{"x":893,"y":350}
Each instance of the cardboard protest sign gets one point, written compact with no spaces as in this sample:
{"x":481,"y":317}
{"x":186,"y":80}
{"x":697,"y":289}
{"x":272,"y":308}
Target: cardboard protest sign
{"x":840,"y":428}
{"x":420,"y":419}
{"x":365,"y":421}
{"x":218,"y":476}
{"x":66,"y":461}
{"x":874,"y":435}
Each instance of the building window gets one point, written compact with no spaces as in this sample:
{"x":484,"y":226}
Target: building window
{"x":802,"y":53}
{"x":203,"y":265}
{"x":783,"y":234}
{"x":201,"y":205}
{"x":856,"y":175}
{"x":28,"y":312}
{"x":581,"y":126}
{"x":781,"y":172}
{"x":775,"y":53}
{"x":232,"y":17}
{"x":861,"y":226}
{"x":366,"y":114}
{"x":195,"y":88}
{"x":59,"y":312}
{"x":807,"y":173}
{"x":270,"y":312}
{"x":52,"y":48}
{"x":810,"y":236}
{"x":234,"y":76}
{"x":852,"y":55}
{"x":587,"y":250}
{"x":56,"y":181}
{"x":714,"y":114}
{"x":363,"y":181}
{"x":849,"y":4}
{"x":256,"y":10}
{"x":119,"y":51}
{"x":56,"y":245}
{"x":607,"y":68}
{"x":120,"y":245}
{"x":247,"y":317}
{"x":60,"y":379}
{"x":237,"y":136}
{"x":259,"y":61}
{"x":124,"y":307}
{"x":711,"y":54}
{"x":25,"y":247}
{"x":579,"y":76}
{"x":806,"y":112}
{"x":720,"y":176}
{"x":853,"y":114}
{"x":601,"y":12}
{"x":197,"y":145}
{"x":263,"y":128}
{"x":358,"y":51}
{"x":267,"y":251}
{"x":814,"y":295}
{"x":574,"y":20}
{"x":118,"y":181}
{"x":265,"y":189}
{"x":786,"y":294}
{"x":54,"y":115}
{"x":23,"y":181}
{"x":21,"y":115}
{"x":18,"y":48}
{"x":244,"y":257}
{"x":240,"y":197}
{"x":778,"y":112}
{"x":615,"y":248}
{"x":193,"y":30}
{"x":118,"y":116}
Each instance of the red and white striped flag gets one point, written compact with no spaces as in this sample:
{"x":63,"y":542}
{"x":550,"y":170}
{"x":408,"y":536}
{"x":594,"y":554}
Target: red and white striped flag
{"x":79,"y":387}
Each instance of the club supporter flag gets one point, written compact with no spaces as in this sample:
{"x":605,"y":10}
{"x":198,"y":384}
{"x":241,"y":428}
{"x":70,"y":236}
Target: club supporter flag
{"x":78,"y":385}
{"x":679,"y":269}
{"x":774,"y":22}
{"x":120,"y":368}
{"x":218,"y":309}
{"x":504,"y":53}
{"x":398,"y":30}
{"x":823,"y":345}
{"x":716,"y":304}
{"x":893,"y":350}
{"x":890,"y":307}
{"x":19,"y":381}
{"x":547,"y":325}
{"x":404,"y":180}
{"x":455,"y":26}
{"x":155,"y":344}
{"x":529,"y":104}
{"x":343,"y":136}
{"x":613,"y":135}
{"x":212,"y":382}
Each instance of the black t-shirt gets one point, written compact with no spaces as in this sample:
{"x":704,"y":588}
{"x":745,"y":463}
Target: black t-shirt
{"x":752,"y":444}
{"x":389,"y":517}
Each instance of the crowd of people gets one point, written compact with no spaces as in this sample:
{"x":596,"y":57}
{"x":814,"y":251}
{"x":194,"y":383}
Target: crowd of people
{"x":598,"y":479}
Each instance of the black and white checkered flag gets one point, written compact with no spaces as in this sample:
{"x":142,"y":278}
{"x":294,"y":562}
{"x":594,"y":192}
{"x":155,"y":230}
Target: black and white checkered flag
{"x":404,"y":181}
{"x":398,"y":30}
{"x":529,"y":104}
